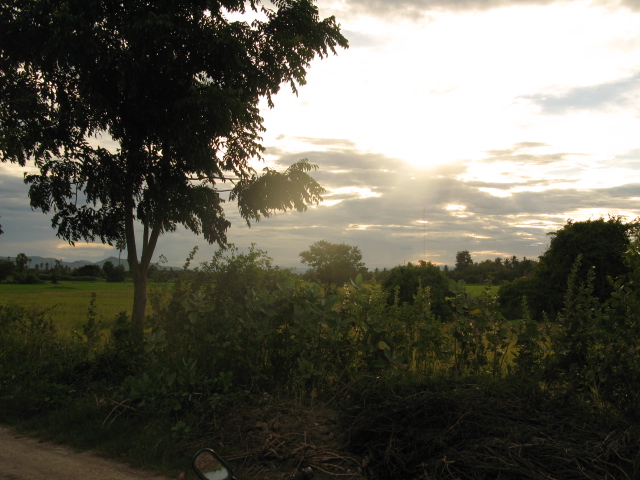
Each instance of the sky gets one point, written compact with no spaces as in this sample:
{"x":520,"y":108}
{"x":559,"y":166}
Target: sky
{"x":447,"y":125}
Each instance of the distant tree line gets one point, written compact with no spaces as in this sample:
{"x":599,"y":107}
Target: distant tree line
{"x":22,"y":270}
{"x":594,"y":250}
{"x":495,"y":271}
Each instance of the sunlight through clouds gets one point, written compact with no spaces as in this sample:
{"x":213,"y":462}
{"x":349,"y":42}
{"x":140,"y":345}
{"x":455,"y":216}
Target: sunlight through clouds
{"x":82,"y":246}
{"x":457,"y":211}
{"x":346,"y":193}
{"x":475,"y":125}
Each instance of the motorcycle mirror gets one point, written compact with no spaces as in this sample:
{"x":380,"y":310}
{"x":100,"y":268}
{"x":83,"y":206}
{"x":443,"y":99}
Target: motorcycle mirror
{"x":209,"y":466}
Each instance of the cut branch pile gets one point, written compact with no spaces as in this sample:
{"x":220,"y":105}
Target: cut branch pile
{"x":475,"y":432}
{"x":272,"y":439}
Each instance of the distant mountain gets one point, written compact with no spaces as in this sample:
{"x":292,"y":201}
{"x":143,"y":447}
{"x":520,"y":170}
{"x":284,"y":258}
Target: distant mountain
{"x":36,"y":260}
{"x":115,"y":261}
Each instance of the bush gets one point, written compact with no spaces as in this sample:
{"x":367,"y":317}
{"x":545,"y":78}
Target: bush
{"x":88,"y":271}
{"x":601,"y":245}
{"x":26,"y":278}
{"x":113,"y":273}
{"x":403,"y":282}
{"x":32,"y":358}
{"x":512,"y":295}
{"x":6,"y":269}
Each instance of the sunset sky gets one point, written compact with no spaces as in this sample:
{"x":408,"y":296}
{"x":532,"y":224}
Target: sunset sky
{"x":447,"y":125}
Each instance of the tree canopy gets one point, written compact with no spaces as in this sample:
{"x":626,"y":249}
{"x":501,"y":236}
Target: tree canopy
{"x":408,"y":278}
{"x":600,"y":244}
{"x":463,"y":260}
{"x":141,"y":111}
{"x":333,"y":263}
{"x":113,"y":273}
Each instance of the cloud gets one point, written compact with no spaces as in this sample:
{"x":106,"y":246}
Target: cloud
{"x":25,"y":230}
{"x":331,"y":142}
{"x":418,"y":8}
{"x":392,"y":210}
{"x":364,"y":40}
{"x":391,"y":223}
{"x":610,"y":95}
{"x":516,"y":148}
{"x":631,"y":4}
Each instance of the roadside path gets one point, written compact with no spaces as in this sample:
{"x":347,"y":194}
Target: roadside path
{"x":25,"y":458}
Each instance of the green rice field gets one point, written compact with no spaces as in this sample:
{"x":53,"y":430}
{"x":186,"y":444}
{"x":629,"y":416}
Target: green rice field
{"x":477,"y":290}
{"x":69,"y":301}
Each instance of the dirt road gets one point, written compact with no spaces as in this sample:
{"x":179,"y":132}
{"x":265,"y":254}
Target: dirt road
{"x":24,"y":458}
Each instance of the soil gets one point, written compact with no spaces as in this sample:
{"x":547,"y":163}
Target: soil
{"x":271,"y":442}
{"x":24,"y":458}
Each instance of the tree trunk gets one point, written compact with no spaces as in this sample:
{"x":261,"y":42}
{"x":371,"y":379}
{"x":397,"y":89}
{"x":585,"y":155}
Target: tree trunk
{"x":139,"y":302}
{"x":139,"y":270}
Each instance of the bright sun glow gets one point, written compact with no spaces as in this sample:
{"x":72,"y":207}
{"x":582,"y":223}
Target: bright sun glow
{"x":431,"y":96}
{"x":80,"y":246}
{"x":446,"y":126}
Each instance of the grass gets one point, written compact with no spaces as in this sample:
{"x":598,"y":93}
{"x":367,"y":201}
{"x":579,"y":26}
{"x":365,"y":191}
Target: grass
{"x":476,"y":290}
{"x":69,"y":300}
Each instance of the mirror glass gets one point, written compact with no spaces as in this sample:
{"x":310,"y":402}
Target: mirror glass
{"x":211,"y":467}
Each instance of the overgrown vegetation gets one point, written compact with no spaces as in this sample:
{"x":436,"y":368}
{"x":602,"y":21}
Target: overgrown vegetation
{"x":600,"y":243}
{"x":472,"y":395}
{"x":498,"y":270}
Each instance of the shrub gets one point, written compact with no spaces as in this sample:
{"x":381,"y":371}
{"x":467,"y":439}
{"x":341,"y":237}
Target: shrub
{"x":32,"y":359}
{"x":403,"y":282}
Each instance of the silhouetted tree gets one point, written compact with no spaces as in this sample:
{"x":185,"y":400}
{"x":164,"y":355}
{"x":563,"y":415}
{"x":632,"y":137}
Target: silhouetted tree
{"x":113,"y":273}
{"x":88,"y":271}
{"x":21,"y":262}
{"x":601,"y":243}
{"x":333,"y":263}
{"x":463,"y":260}
{"x":177,"y":86}
{"x":6,"y":268}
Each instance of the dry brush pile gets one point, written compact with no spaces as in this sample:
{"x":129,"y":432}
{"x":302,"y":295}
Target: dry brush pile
{"x":457,"y":431}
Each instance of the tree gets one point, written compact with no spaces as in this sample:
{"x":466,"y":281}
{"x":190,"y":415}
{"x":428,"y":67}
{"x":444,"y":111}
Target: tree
{"x":88,"y":270}
{"x":408,"y":278}
{"x":600,"y":244}
{"x":177,"y":86}
{"x":463,"y":260}
{"x":21,"y":262}
{"x":333,"y":263}
{"x":6,"y":268}
{"x":113,"y":273}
